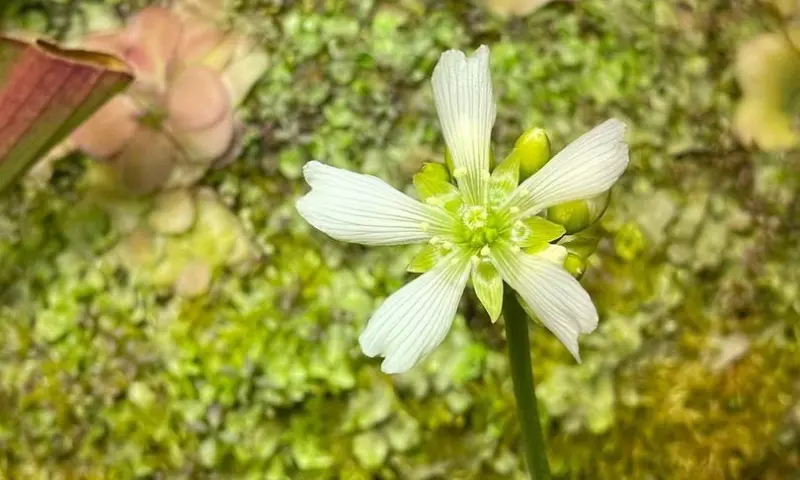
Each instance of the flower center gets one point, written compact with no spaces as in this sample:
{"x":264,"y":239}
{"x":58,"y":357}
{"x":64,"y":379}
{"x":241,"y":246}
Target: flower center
{"x":153,"y":118}
{"x":480,"y":226}
{"x":474,"y":216}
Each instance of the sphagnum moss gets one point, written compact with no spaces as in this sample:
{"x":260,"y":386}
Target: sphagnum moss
{"x":664,"y":65}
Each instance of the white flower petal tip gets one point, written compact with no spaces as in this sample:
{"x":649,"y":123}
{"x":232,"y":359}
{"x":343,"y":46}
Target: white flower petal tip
{"x":415,"y":319}
{"x":586,"y":167}
{"x":462,"y":92}
{"x":557,"y":299}
{"x":359,"y":208}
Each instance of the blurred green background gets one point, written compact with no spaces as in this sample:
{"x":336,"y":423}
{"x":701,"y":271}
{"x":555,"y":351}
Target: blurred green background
{"x":694,"y":372}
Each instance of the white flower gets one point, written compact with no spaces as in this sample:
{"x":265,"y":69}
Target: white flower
{"x":486,"y":229}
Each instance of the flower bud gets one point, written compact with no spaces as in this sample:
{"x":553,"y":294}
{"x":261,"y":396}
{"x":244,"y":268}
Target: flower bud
{"x":575,"y":265}
{"x":532,"y":149}
{"x":578,"y":215}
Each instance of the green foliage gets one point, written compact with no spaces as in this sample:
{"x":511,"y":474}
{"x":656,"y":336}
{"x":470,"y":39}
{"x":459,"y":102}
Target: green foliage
{"x":104,"y":376}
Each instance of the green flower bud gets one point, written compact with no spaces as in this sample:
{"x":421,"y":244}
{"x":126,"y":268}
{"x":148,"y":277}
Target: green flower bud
{"x":578,"y":215}
{"x":575,"y":265}
{"x":532,"y":149}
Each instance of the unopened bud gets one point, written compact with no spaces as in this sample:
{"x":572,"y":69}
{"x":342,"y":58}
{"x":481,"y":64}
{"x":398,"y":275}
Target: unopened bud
{"x":578,"y":215}
{"x":575,"y":265}
{"x":532,"y":149}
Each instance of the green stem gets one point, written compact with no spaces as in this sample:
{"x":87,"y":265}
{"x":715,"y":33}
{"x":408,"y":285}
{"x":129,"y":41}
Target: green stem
{"x":522,"y":376}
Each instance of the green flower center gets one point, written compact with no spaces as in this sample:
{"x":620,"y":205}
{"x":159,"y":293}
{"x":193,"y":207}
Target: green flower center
{"x":153,"y":118}
{"x":475,"y":230}
{"x":480,"y":226}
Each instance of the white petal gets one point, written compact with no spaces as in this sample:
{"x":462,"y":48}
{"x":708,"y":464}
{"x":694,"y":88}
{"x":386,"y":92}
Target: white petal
{"x":586,"y":167}
{"x":462,"y":90}
{"x":555,"y":253}
{"x":415,"y":319}
{"x":558,"y":300}
{"x":358,"y":208}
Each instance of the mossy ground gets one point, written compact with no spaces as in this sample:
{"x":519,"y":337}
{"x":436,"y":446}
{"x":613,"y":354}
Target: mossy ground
{"x":693,"y":372}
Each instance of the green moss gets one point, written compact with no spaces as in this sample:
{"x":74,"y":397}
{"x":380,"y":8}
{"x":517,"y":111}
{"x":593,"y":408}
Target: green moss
{"x":104,"y":375}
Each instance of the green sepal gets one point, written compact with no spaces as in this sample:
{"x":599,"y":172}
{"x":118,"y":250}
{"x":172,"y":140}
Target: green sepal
{"x":433,"y":187}
{"x":433,"y":180}
{"x":536,"y":230}
{"x":450,"y":201}
{"x":488,"y":285}
{"x":532,"y":150}
{"x":543,"y":230}
{"x":582,"y":245}
{"x":505,"y":178}
{"x":535,"y":248}
{"x":448,"y":161}
{"x":426,"y":259}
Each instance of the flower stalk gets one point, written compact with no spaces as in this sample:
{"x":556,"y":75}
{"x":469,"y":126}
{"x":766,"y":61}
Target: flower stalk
{"x":524,"y":387}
